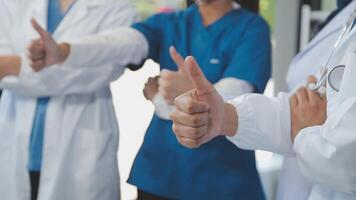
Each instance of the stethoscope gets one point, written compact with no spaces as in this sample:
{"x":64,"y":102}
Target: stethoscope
{"x":334,"y":76}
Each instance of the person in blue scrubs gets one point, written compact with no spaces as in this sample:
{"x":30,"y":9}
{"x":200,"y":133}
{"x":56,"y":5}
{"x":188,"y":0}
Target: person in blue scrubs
{"x":238,"y":42}
{"x":54,"y":18}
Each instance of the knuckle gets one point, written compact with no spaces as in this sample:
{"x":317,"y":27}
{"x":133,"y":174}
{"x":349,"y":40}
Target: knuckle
{"x":190,"y":108}
{"x":195,"y":131}
{"x":195,"y":120}
{"x":300,"y":90}
{"x":175,"y":128}
{"x":177,"y":101}
{"x":164,"y":73}
{"x":193,"y":144}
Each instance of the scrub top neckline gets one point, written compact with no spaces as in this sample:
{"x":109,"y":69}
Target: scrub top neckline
{"x":215,"y":25}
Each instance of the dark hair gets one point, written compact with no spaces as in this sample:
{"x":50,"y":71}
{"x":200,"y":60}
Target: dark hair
{"x":252,"y":5}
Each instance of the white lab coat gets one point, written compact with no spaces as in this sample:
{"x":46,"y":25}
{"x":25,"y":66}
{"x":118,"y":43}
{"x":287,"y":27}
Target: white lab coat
{"x":81,"y":132}
{"x":308,"y":62}
{"x":325,"y":154}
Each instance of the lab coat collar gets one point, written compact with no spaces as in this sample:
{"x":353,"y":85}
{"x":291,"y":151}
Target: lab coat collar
{"x":78,"y":12}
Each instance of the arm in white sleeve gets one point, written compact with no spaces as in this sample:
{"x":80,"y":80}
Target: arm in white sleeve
{"x":326,"y":154}
{"x":64,"y":79}
{"x":103,"y":65}
{"x":228,"y":88}
{"x":57,"y":81}
{"x":120,"y":46}
{"x":264,"y":123}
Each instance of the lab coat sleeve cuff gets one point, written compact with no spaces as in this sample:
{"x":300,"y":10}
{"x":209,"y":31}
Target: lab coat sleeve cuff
{"x":242,"y":138}
{"x":25,"y":66}
{"x":300,"y":141}
{"x":76,"y":56}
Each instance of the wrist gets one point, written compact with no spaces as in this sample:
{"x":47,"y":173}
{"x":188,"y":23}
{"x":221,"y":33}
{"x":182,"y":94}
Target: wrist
{"x":294,"y":133}
{"x":64,"y":50}
{"x":230,"y":120}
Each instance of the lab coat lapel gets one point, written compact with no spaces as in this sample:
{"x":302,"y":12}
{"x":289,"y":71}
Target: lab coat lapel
{"x":40,"y":12}
{"x":78,"y":12}
{"x":347,"y":89}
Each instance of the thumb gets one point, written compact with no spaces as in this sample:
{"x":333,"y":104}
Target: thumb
{"x":202,"y":85}
{"x":178,"y":59}
{"x":43,"y":34}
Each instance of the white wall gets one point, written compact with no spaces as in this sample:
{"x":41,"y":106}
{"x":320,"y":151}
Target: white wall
{"x":286,"y":34}
{"x":134,"y":114}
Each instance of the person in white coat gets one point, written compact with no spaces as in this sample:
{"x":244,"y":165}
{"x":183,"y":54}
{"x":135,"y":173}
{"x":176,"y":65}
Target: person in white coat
{"x":80,"y":144}
{"x":293,"y":124}
{"x":310,"y":61}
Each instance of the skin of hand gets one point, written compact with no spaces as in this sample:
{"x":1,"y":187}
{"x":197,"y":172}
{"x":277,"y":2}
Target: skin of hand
{"x":308,"y":109}
{"x":151,"y":88}
{"x":9,"y":66}
{"x":200,"y":114}
{"x":174,"y":83}
{"x":45,"y":51}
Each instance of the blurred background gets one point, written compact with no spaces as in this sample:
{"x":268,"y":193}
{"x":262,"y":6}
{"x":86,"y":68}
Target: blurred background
{"x":293,"y":23}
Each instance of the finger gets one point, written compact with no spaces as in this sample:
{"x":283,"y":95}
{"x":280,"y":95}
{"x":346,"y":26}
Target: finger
{"x":302,"y":95}
{"x":36,"y":43}
{"x":202,"y":85}
{"x":36,"y":48}
{"x":187,"y":104}
{"x":312,"y":79}
{"x":178,"y":59}
{"x":189,"y":132}
{"x":293,"y":101}
{"x":36,"y":56}
{"x":38,"y":65}
{"x":44,"y":34}
{"x":190,"y":120}
{"x":315,"y":97}
{"x":190,"y":143}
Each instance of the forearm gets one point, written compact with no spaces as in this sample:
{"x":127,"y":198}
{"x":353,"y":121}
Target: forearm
{"x":58,"y":81}
{"x":121,"y":46}
{"x":9,"y":66}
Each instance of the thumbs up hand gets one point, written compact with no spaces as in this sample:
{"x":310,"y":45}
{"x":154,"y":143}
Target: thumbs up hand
{"x":201,"y":114}
{"x":174,"y":83}
{"x":45,"y":51}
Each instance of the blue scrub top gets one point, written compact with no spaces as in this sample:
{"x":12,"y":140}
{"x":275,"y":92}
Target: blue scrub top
{"x":55,"y":16}
{"x":237,"y":45}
